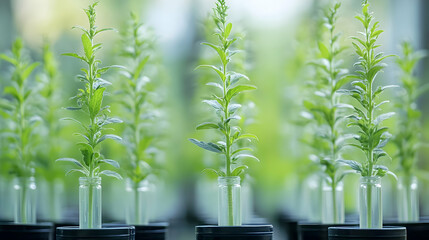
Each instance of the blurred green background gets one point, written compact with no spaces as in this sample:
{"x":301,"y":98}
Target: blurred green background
{"x":279,"y":38}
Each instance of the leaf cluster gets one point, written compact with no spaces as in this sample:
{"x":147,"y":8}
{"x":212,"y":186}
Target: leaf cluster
{"x":324,"y":109}
{"x":90,"y":101}
{"x":407,"y":140}
{"x":19,"y":107}
{"x":222,"y":102}
{"x":372,"y":136}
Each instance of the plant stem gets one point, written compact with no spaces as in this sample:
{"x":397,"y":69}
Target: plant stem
{"x":23,"y":202}
{"x":334,"y":202}
{"x":369,"y":206}
{"x":137,"y":205}
{"x":90,"y":205}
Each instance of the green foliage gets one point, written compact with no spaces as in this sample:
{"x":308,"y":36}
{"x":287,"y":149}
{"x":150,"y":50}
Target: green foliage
{"x":90,"y":101}
{"x":407,"y":140}
{"x":372,"y":137}
{"x":50,"y":92}
{"x":135,"y":98}
{"x":19,"y":108}
{"x":227,"y":87}
{"x":325,"y":109}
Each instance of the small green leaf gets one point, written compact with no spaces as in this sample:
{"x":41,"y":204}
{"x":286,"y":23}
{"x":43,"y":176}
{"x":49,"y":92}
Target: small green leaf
{"x":239,"y":170}
{"x":214,"y":171}
{"x":109,"y":136}
{"x":244,"y":155}
{"x":111,"y":174}
{"x":111,"y":162}
{"x":238,"y":89}
{"x":207,"y":146}
{"x":207,"y":125}
{"x":227,"y":30}
{"x":353,"y":164}
{"x":247,"y":136}
{"x":218,"y":71}
{"x":72,"y":160}
{"x":87,"y":46}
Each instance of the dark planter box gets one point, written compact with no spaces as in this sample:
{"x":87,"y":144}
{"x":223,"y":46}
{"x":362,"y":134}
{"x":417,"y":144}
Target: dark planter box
{"x":356,"y":233}
{"x":155,"y":231}
{"x":40,"y":231}
{"x":109,"y":233}
{"x":245,"y":232}
{"x":415,"y":230}
{"x":290,"y":226}
{"x":316,"y":231}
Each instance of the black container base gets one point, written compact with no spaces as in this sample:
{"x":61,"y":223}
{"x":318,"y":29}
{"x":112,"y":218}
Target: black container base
{"x":316,"y":231}
{"x":415,"y":230}
{"x":39,"y":231}
{"x":155,"y":231}
{"x":110,"y":233}
{"x":356,"y":233}
{"x":245,"y":232}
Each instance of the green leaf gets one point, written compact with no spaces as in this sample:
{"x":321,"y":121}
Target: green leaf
{"x":214,"y":171}
{"x":247,"y":136}
{"x":219,"y":51}
{"x":111,"y":162}
{"x":75,"y":56}
{"x":218,"y":71}
{"x":12,"y":91}
{"x":83,"y":171}
{"x":235,"y":77}
{"x":111,"y":174}
{"x":140,"y":67}
{"x":214,"y":104}
{"x":227,"y":30}
{"x":238,"y":89}
{"x":324,"y":52}
{"x":8,"y":59}
{"x":245,"y":155}
{"x":242,"y":149}
{"x":207,"y":146}
{"x":109,"y":136}
{"x":26,"y":73}
{"x":383,"y":117}
{"x":207,"y":125}
{"x":72,"y":160}
{"x":353,"y":164}
{"x":87,"y":46}
{"x":239,"y":170}
{"x":96,"y":101}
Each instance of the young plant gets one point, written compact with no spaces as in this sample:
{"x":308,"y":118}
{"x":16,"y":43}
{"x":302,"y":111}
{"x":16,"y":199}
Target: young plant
{"x":407,"y":140}
{"x":371,"y":137}
{"x":136,"y":90}
{"x":20,"y":110}
{"x":328,"y":113}
{"x":228,"y":87}
{"x":89,"y":101}
{"x":52,"y":144}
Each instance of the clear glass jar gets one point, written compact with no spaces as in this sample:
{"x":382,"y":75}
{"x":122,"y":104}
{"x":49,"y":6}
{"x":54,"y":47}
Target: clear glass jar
{"x":90,"y":202}
{"x":137,"y":207}
{"x":312,"y":202}
{"x":25,"y":200}
{"x":229,"y":212}
{"x":332,"y":203}
{"x":370,"y":209}
{"x":408,"y":199}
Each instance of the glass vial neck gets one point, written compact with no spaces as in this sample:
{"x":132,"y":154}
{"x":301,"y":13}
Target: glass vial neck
{"x":228,"y":181}
{"x":375,"y":180}
{"x":86,"y":181}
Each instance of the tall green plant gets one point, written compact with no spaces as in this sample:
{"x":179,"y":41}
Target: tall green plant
{"x":227,"y":87}
{"x":21,"y":111}
{"x":407,"y":140}
{"x":326,"y":110}
{"x":89,"y":101}
{"x":136,"y":91}
{"x":371,"y":137}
